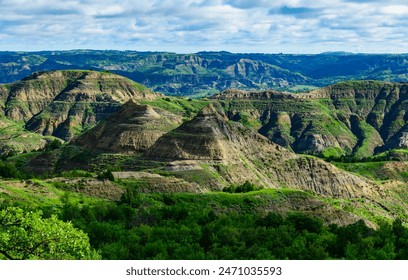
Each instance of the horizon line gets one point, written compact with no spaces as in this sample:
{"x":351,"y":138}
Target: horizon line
{"x":339,"y":52}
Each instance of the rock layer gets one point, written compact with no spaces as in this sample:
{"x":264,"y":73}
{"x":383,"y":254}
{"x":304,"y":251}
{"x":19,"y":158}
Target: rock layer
{"x":133,"y":128}
{"x":357,"y":118}
{"x":62,"y":103}
{"x":239,"y":154}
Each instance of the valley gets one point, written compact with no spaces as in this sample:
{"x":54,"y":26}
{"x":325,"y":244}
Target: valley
{"x":127,"y":165}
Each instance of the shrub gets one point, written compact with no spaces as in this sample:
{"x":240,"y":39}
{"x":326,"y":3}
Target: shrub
{"x":53,"y":145}
{"x":76,"y":173}
{"x":243,"y":188}
{"x":8,"y":170}
{"x":106,"y":175}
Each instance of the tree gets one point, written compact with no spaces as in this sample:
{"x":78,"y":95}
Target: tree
{"x":106,"y":175}
{"x":8,"y":170}
{"x":26,"y":235}
{"x":53,"y":145}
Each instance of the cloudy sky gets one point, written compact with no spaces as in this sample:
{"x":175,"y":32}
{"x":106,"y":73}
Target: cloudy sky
{"x":267,"y":26}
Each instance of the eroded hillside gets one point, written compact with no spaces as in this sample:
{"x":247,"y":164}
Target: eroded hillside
{"x":238,"y":154}
{"x":166,"y":145}
{"x":133,"y":128}
{"x":62,"y":103}
{"x":358,"y":118}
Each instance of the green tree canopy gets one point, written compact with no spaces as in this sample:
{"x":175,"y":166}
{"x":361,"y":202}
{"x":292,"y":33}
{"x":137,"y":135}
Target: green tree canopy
{"x":27,"y":235}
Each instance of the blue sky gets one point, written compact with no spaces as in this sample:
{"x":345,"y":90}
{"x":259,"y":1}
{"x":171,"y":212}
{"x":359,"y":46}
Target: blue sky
{"x":184,"y":26}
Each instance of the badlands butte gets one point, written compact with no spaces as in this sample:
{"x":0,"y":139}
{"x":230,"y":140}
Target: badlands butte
{"x":338,"y":152}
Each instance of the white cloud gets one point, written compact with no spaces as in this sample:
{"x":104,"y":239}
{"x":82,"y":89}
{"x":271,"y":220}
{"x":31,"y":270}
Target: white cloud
{"x":193,"y":25}
{"x":400,"y":10}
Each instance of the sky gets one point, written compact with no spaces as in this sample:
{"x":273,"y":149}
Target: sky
{"x":188,"y":26}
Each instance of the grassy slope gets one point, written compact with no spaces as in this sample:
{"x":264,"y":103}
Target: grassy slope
{"x":14,"y":137}
{"x":377,"y":171}
{"x":48,"y":194}
{"x":178,"y":105}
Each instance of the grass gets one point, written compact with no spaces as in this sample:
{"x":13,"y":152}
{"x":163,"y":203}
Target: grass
{"x":35,"y":193}
{"x":332,"y":152}
{"x":178,"y":105}
{"x":300,"y":88}
{"x":202,"y":93}
{"x":368,"y":138}
{"x":396,"y":154}
{"x":249,"y":121}
{"x":13,"y":136}
{"x":373,"y":170}
{"x":362,"y":207}
{"x":46,"y":194}
{"x":227,"y":202}
{"x":359,"y":85}
{"x":40,"y":193}
{"x":76,"y":173}
{"x":13,"y":103}
{"x":402,"y":151}
{"x":366,"y":169}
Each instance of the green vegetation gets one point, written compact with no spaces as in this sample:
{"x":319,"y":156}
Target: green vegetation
{"x":106,"y":175}
{"x":376,"y":170}
{"x":177,"y":105}
{"x":243,"y":188}
{"x":9,"y":170}
{"x":300,"y":88}
{"x":367,"y":142}
{"x":15,"y":139}
{"x":202,"y":233}
{"x":76,"y":173}
{"x":358,"y":85}
{"x":233,"y":224}
{"x":248,"y":121}
{"x":27,"y":235}
{"x":53,"y":145}
{"x":332,"y":153}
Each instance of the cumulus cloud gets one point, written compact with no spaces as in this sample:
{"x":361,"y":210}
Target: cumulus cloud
{"x":192,"y":25}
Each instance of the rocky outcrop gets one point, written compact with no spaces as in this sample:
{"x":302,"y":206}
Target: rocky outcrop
{"x":34,"y":93}
{"x":62,"y":103}
{"x":239,"y":154}
{"x":311,"y":174}
{"x":357,"y":118}
{"x":133,"y":128}
{"x":231,"y":94}
{"x":200,"y":138}
{"x":399,"y":140}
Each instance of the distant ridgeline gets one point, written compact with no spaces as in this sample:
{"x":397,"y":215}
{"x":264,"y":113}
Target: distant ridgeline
{"x":205,"y":73}
{"x":357,"y":118}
